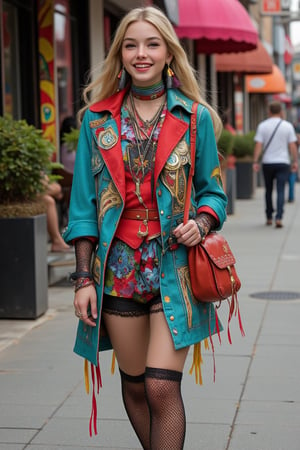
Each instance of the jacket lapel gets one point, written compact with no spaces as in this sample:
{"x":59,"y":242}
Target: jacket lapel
{"x":172,"y":131}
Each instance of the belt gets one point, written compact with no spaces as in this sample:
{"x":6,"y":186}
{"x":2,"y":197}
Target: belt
{"x":140,"y":214}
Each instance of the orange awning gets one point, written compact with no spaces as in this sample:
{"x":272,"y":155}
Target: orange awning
{"x":254,"y":61}
{"x":273,"y":83}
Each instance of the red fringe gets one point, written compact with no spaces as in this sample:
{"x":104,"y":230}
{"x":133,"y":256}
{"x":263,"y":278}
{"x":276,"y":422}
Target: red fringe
{"x":96,"y":380}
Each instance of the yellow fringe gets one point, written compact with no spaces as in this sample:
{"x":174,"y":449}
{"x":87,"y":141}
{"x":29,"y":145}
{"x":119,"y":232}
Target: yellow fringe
{"x":113,"y":363}
{"x":197,"y":361}
{"x":86,"y":376}
{"x":206,"y":344}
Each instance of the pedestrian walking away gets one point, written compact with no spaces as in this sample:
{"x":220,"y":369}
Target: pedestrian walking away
{"x":276,"y":141}
{"x":132,"y":287}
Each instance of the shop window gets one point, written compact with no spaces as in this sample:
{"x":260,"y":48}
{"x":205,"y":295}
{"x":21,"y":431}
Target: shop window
{"x":63,"y":52}
{"x":11,"y":84}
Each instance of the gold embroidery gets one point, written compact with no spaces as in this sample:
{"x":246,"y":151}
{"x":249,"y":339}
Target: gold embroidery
{"x":96,"y":123}
{"x":96,"y":269}
{"x":184,"y":278}
{"x":174,"y":177}
{"x":216,"y":173}
{"x":110,"y":198}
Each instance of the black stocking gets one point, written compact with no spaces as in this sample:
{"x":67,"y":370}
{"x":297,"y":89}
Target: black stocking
{"x":134,"y":398}
{"x":167,"y":415}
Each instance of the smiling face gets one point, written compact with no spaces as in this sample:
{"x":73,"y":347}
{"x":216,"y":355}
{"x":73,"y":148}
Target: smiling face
{"x":144,"y":53}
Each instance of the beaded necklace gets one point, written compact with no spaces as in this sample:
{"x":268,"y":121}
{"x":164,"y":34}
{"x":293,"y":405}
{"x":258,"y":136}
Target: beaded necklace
{"x":149,"y":92}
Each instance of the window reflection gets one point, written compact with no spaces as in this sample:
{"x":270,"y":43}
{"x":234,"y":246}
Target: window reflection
{"x":11,"y":62}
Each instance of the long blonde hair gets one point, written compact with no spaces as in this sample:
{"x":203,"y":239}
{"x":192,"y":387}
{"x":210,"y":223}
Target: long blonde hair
{"x":106,"y":84}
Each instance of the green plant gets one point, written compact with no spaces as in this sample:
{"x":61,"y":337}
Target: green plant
{"x":25,"y":155}
{"x":225,"y":143}
{"x":243,"y":145}
{"x":71,"y":139}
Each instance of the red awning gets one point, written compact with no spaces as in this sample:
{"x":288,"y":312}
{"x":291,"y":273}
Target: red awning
{"x":273,"y":83}
{"x":218,"y":25}
{"x":254,"y":61}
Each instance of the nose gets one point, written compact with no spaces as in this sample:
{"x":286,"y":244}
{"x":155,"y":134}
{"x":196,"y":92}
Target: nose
{"x":141,"y":51}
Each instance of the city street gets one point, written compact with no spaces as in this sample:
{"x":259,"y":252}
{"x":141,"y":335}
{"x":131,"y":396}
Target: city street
{"x":254,"y":403}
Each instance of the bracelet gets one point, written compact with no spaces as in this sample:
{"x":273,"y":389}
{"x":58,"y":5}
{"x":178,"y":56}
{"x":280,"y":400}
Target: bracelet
{"x":76,"y":275}
{"x":201,"y":231}
{"x":83,"y":283}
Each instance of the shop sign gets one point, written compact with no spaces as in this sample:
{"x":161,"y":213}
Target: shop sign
{"x":275,"y":7}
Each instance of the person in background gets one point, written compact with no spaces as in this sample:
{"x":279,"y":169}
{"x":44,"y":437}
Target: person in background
{"x":276,"y":140}
{"x":67,"y":157}
{"x":293,"y":177}
{"x":126,"y":221}
{"x":226,"y":123}
{"x":53,"y":193}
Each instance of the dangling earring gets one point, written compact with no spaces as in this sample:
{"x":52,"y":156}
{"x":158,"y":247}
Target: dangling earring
{"x":123,"y":78}
{"x":172,"y":81}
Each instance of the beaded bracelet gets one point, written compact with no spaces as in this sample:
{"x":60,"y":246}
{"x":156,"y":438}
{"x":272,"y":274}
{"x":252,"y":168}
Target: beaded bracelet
{"x":84,"y":282}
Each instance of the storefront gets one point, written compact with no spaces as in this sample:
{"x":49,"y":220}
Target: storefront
{"x":43,"y":61}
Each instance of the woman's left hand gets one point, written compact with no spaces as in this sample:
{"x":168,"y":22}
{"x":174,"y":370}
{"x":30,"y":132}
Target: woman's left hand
{"x":187,"y":234}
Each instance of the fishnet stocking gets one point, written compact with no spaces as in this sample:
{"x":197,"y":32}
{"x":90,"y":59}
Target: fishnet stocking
{"x":133,"y":392}
{"x":168,"y":423}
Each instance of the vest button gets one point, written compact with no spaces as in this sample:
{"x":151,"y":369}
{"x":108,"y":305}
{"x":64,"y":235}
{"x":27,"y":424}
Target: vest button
{"x":175,"y":331}
{"x":172,"y":318}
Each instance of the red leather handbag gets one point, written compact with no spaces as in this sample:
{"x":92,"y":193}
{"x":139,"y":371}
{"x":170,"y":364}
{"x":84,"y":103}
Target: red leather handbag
{"x":211,"y":262}
{"x":212,"y":271}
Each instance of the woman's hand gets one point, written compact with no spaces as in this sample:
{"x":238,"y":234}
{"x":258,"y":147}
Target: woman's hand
{"x":85,"y":304}
{"x":188,"y":234}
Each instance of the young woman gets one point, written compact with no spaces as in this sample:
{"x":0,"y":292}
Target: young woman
{"x":131,"y":281}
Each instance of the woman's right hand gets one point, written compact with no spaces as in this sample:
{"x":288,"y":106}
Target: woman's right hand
{"x":85,"y":304}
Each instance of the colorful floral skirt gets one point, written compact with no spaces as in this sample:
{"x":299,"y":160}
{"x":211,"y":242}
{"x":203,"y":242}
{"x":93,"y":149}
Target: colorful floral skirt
{"x":133,"y":273}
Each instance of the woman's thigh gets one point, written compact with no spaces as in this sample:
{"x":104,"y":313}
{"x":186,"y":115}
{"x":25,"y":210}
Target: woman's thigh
{"x":129,"y":337}
{"x":161,"y":351}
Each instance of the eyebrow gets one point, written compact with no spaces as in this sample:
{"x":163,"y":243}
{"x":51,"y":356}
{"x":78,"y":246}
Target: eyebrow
{"x":147,"y":39}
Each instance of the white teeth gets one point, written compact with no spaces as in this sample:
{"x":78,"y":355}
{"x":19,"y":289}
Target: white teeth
{"x":142,"y":66}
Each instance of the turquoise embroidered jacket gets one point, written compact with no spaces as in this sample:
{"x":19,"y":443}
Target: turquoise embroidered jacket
{"x":97,"y":202}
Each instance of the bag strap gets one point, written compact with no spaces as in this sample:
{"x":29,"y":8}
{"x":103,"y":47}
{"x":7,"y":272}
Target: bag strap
{"x":193,"y":131}
{"x":272,"y":135}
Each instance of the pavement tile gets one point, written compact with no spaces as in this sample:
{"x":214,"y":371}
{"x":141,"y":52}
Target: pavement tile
{"x":43,"y":405}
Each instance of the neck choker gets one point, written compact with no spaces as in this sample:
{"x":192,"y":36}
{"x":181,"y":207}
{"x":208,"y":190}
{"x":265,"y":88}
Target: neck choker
{"x":149,"y":92}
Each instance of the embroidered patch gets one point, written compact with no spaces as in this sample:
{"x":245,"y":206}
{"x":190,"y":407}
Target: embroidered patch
{"x":96,"y":269}
{"x":107,"y":138}
{"x":216,"y":173}
{"x":97,"y":122}
{"x":110,"y":198}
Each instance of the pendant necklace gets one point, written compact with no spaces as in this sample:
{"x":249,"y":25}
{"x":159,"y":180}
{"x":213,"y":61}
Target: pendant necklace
{"x":138,"y":166}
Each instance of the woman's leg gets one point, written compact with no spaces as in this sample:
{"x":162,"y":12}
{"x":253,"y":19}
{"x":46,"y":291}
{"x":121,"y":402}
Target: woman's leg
{"x":129,"y":337}
{"x":163,"y":375}
{"x":57,"y":242}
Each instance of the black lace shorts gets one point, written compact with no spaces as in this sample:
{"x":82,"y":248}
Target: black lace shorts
{"x":127,"y":307}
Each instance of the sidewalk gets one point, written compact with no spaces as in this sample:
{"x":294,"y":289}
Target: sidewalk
{"x":254,"y":403}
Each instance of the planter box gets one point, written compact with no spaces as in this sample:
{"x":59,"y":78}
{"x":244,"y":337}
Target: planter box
{"x":23,"y":266}
{"x":244,"y":179}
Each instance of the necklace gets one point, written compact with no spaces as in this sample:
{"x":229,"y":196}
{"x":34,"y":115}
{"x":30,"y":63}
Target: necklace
{"x":149,"y":92}
{"x":146,"y":124}
{"x":140,"y":165}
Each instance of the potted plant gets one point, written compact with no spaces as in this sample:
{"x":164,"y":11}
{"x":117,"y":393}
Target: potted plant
{"x":227,"y":163}
{"x":243,"y":149}
{"x":25,"y":155}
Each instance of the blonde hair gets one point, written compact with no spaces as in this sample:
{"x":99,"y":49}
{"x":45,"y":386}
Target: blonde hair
{"x":106,"y":84}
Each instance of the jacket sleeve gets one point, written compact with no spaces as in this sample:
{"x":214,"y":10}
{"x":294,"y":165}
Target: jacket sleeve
{"x":83,"y":210}
{"x":207,"y":180}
